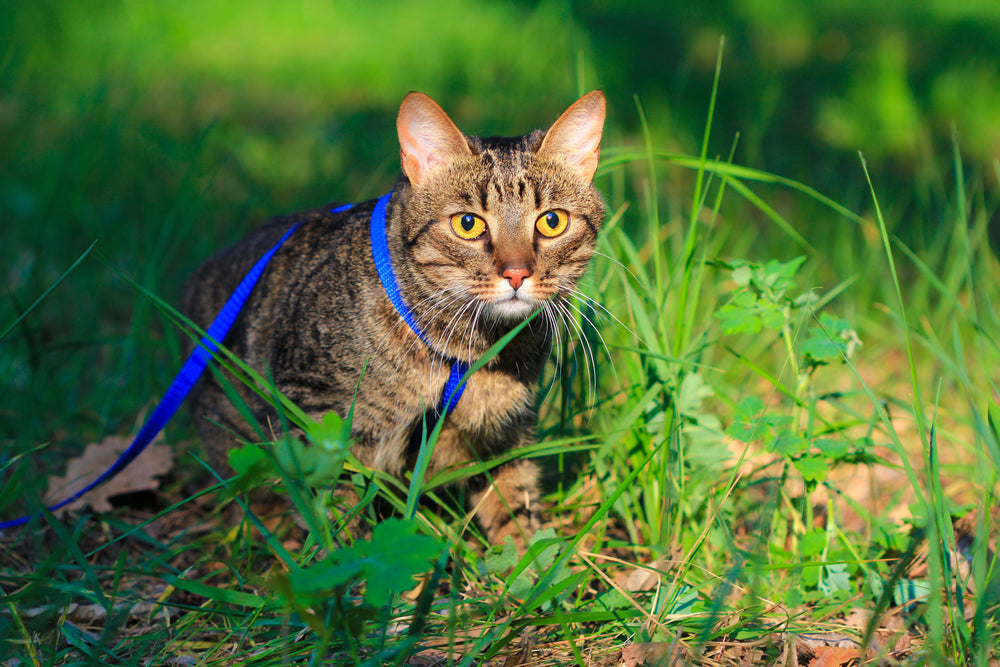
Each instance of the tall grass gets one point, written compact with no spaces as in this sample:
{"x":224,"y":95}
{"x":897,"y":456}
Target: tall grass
{"x":777,"y":411}
{"x":713,"y":462}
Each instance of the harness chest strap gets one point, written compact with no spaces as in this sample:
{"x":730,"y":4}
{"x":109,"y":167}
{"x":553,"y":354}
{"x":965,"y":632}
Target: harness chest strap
{"x":383,"y":264}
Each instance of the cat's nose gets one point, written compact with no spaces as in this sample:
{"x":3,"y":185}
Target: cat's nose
{"x":515,"y":275}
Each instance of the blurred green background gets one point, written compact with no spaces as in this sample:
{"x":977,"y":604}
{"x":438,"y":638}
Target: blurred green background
{"x":165,"y":130}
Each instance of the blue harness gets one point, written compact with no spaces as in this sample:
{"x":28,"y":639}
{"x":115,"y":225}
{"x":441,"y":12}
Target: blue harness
{"x":380,"y":251}
{"x":195,"y":364}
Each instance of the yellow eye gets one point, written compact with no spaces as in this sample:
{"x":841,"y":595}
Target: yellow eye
{"x":468,"y":226}
{"x":552,"y":223}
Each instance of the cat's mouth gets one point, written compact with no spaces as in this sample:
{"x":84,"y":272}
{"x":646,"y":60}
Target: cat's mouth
{"x":513,"y":306}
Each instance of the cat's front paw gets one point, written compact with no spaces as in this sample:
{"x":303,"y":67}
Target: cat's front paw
{"x":510,"y":506}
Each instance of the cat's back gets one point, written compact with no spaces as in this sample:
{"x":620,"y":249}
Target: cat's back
{"x":326,"y":242}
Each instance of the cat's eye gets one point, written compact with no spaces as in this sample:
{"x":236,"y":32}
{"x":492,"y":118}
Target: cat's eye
{"x":552,"y":223}
{"x":468,"y":226}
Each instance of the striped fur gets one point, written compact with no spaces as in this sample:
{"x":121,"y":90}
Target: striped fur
{"x":319,"y":314}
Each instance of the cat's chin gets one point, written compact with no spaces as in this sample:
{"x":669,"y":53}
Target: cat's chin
{"x":512,"y":309}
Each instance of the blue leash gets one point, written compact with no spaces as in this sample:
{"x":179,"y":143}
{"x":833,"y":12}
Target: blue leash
{"x":182,"y":384}
{"x":195,"y":364}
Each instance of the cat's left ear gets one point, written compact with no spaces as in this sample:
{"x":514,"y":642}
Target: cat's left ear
{"x":576,"y":135}
{"x":427,"y":137}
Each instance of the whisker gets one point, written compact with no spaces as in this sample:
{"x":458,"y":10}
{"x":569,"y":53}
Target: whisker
{"x":429,"y":307}
{"x":480,"y":307}
{"x":437,"y":297}
{"x":456,"y":321}
{"x":453,"y":325}
{"x":551,"y":320}
{"x":600,"y":337}
{"x":619,"y":263}
{"x":590,"y":362}
{"x":603,"y":311}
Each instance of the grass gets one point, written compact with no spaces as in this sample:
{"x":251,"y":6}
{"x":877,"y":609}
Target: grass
{"x":778,"y":426}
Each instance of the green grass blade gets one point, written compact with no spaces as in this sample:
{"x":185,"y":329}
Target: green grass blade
{"x":427,"y":446}
{"x":47,"y":292}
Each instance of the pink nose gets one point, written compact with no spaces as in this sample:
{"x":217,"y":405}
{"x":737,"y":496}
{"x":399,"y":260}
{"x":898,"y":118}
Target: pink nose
{"x":515,"y":276}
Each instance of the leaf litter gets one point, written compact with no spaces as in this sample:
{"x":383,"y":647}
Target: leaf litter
{"x":141,"y":475}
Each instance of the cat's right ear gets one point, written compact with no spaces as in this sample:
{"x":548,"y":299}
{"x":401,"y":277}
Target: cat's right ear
{"x":427,"y":137}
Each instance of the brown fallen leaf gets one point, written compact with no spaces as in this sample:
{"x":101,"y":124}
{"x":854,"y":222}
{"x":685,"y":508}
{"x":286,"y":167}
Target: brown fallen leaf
{"x":140,"y":475}
{"x":522,"y":654}
{"x":429,"y":657}
{"x":652,"y":654}
{"x":645,"y":578}
{"x":835,"y":656}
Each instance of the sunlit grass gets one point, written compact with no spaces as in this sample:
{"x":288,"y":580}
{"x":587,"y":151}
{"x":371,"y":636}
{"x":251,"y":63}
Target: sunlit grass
{"x":734,"y":440}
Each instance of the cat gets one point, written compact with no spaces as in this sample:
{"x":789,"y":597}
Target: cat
{"x":481,"y":233}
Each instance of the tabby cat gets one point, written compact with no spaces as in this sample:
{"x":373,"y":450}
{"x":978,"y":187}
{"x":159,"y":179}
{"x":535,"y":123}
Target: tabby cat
{"x":480,"y":233}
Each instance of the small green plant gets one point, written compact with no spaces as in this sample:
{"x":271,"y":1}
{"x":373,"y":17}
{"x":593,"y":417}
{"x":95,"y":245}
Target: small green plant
{"x":323,"y":594}
{"x":763,"y":299}
{"x":344,"y":588}
{"x":525,"y":573}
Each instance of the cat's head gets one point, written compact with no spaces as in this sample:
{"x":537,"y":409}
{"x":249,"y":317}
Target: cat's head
{"x":497,"y":227}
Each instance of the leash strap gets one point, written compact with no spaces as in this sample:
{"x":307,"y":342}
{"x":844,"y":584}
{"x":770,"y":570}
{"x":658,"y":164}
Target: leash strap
{"x":182,"y":383}
{"x":197,"y":361}
{"x":380,"y":252}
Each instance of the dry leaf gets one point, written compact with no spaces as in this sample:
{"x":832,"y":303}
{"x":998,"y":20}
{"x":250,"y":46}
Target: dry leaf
{"x":650,"y":654}
{"x":645,"y":579}
{"x":429,"y":657}
{"x":140,"y":475}
{"x":903,"y":644}
{"x":835,"y":656}
{"x":858,"y":619}
{"x":522,"y":655}
{"x":813,"y":640}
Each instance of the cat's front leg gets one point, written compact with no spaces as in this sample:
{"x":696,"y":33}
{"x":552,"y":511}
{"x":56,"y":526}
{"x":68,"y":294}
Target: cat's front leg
{"x":508,"y":503}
